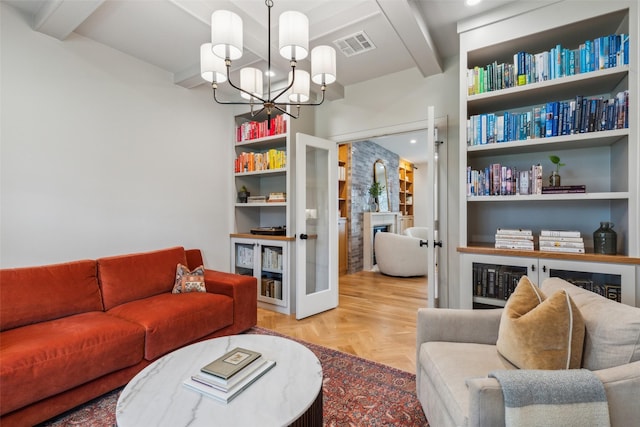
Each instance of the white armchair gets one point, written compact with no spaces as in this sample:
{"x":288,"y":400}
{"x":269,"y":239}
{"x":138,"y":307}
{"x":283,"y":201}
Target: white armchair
{"x":419,"y":232}
{"x":400,"y":255}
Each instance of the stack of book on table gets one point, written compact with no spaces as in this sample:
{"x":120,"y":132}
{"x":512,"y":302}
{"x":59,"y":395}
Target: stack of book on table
{"x":227,"y":376}
{"x":561,"y":241}
{"x":514,"y":238}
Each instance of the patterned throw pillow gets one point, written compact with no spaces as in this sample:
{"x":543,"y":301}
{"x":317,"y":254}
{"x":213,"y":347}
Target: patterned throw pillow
{"x":189,"y":281}
{"x":537,"y":332}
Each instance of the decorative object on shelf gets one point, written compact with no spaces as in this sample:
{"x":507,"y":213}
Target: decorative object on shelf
{"x":554,"y":179}
{"x":227,"y":45}
{"x":375,"y":191}
{"x":605,"y":239}
{"x":270,"y":231}
{"x":243,"y":194}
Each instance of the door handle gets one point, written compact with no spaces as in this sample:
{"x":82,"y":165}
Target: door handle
{"x":424,"y":243}
{"x":438,"y":243}
{"x":303,"y":236}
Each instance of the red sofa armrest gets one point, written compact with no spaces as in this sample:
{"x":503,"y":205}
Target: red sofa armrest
{"x":243,"y":290}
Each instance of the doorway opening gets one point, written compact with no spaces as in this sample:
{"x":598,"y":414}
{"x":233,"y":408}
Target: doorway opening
{"x":410,"y":203}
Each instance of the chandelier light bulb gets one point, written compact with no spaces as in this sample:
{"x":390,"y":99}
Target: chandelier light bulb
{"x":300,"y":89}
{"x":294,"y":35}
{"x":251,"y":81}
{"x":226,"y":34}
{"x":212,"y":68}
{"x":323,"y":65}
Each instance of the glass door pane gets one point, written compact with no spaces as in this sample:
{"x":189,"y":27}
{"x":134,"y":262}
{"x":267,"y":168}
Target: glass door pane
{"x":244,"y":261}
{"x":317,"y":220}
{"x":316,"y":226}
{"x":607,"y":285}
{"x":271,"y":272}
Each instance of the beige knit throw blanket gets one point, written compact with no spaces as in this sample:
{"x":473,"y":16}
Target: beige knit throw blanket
{"x":534,"y":398}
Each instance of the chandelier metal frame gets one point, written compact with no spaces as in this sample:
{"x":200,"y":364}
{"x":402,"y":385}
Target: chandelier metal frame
{"x":270,"y":104}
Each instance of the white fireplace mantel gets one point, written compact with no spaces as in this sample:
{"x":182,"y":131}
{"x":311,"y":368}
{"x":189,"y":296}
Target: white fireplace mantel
{"x":370,"y":221}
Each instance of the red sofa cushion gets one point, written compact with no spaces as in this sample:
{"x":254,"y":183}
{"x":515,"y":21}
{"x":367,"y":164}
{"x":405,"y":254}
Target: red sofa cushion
{"x":42,"y":360}
{"x":174,"y":320}
{"x":126,"y":278}
{"x":37,"y":294}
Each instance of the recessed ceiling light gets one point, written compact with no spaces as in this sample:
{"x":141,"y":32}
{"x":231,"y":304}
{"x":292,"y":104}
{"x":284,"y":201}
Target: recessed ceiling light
{"x":472,"y":2}
{"x":269,"y":73}
{"x":413,"y":141}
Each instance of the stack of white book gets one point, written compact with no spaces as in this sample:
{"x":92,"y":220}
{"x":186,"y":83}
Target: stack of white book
{"x":226,"y":377}
{"x":561,"y":241}
{"x":514,"y":238}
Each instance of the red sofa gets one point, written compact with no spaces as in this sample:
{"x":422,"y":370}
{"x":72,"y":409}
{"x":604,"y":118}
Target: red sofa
{"x":74,"y":331}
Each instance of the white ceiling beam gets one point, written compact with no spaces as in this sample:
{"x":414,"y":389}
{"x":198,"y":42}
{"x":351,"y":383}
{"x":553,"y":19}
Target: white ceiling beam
{"x":409,"y":25}
{"x":59,"y":18}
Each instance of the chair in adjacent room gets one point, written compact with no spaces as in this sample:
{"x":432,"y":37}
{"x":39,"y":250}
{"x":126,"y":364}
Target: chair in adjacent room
{"x":400,"y":255}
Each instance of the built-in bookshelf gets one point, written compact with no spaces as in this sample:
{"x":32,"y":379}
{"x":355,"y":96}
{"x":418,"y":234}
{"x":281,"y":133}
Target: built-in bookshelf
{"x":343,"y":181}
{"x":518,"y":107}
{"x":405,"y":171}
{"x":343,"y":207}
{"x":263,"y":226}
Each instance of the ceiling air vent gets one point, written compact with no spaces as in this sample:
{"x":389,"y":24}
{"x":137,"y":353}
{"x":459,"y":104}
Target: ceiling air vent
{"x":355,"y":44}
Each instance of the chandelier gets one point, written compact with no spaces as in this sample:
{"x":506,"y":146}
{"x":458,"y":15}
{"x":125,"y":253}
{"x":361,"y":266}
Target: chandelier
{"x":226,"y":46}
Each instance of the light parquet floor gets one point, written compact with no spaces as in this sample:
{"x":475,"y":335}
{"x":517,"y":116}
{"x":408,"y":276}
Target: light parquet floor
{"x":375,"y":319}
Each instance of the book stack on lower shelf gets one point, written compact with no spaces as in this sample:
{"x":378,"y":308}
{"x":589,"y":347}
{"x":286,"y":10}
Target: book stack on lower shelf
{"x":561,"y":241}
{"x":565,"y":189}
{"x":514,"y":238}
{"x":229,"y":375}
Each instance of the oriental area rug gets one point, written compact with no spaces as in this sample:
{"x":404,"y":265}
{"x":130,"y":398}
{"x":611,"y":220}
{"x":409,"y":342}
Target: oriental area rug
{"x":357,"y":392}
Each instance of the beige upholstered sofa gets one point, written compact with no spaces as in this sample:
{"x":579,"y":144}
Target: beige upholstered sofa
{"x":456,"y":350}
{"x":400,"y":255}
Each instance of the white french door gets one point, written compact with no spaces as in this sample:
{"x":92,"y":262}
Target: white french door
{"x":316,"y":225}
{"x":434,"y":244}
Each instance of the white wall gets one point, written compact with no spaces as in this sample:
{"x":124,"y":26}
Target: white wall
{"x":402,"y":99}
{"x":101,"y":154}
{"x":420,"y":186}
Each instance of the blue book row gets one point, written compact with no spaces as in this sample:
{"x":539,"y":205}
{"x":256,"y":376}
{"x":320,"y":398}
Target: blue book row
{"x":556,"y":118}
{"x":598,"y":54}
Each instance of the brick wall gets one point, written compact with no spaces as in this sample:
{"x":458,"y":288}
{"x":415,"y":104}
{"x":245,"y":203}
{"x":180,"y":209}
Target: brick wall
{"x":363,"y":156}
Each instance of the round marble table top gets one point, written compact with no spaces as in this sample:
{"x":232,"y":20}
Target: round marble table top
{"x":157,"y":396}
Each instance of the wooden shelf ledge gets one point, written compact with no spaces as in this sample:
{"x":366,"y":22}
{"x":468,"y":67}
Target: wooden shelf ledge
{"x":489,"y":250}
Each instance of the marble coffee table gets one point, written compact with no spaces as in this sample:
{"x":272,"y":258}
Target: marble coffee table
{"x":289,"y":394}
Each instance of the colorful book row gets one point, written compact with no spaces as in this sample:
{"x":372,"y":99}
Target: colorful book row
{"x":253,"y":162}
{"x":598,"y":54}
{"x":579,"y":115}
{"x":501,"y":180}
{"x":254,"y":130}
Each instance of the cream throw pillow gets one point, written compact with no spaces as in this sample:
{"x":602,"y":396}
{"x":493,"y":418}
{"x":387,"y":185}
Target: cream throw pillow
{"x":537,"y":332}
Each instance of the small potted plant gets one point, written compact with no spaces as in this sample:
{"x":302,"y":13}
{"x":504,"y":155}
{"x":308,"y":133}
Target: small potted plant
{"x":243,"y":194}
{"x":374,"y":191}
{"x":554,"y":179}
